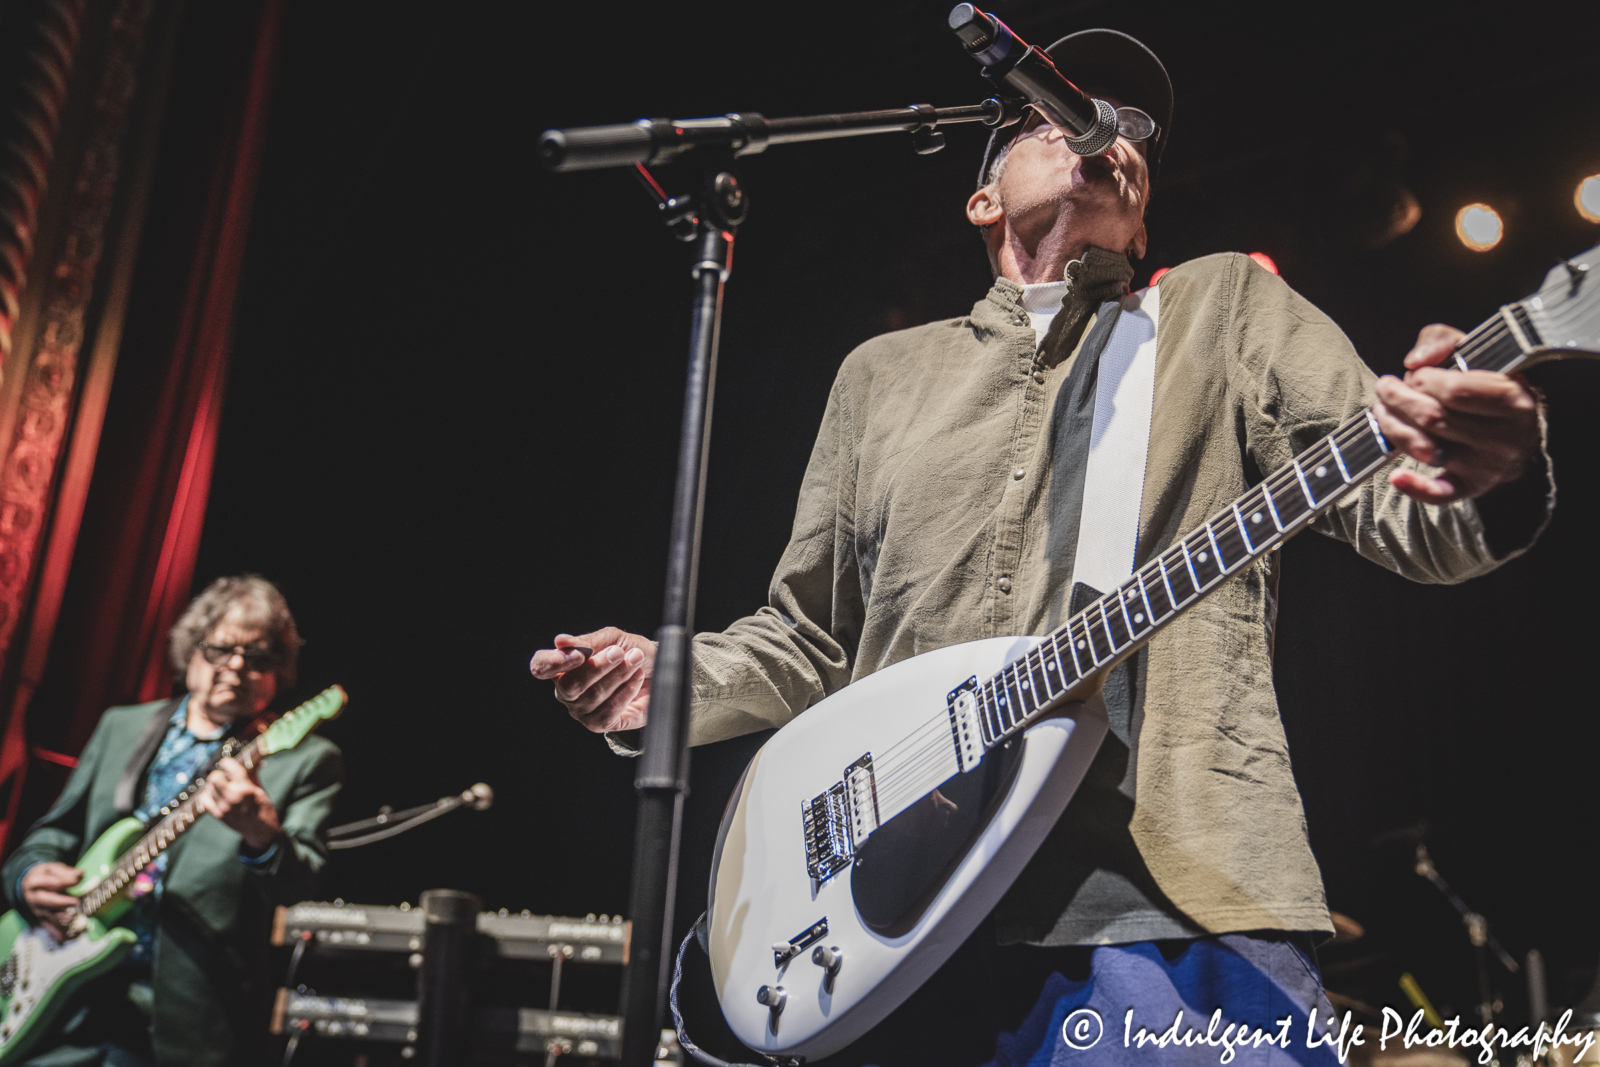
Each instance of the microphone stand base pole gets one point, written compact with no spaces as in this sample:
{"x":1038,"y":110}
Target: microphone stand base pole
{"x":663,"y":774}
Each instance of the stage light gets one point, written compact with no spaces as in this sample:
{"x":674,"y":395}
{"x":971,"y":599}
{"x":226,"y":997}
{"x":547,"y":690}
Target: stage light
{"x":1265,"y":260}
{"x":1587,"y":198}
{"x":1156,"y":277}
{"x":1479,"y":227}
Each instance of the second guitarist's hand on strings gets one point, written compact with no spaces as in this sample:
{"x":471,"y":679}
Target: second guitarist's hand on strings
{"x":43,"y":889}
{"x":234,"y":795}
{"x":1478,"y":427}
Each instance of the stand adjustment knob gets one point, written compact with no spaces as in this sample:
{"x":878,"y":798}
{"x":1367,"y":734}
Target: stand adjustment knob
{"x":925,"y":140}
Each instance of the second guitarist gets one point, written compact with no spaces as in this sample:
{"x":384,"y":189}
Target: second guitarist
{"x":195,"y":990}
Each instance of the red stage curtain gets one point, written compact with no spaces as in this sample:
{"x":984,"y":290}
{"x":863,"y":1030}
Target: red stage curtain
{"x":133,"y":571}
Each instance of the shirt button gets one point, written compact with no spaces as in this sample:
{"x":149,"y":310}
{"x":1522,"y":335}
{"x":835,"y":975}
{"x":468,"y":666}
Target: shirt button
{"x":1019,"y":473}
{"x":1038,"y":376}
{"x":1004,"y":584}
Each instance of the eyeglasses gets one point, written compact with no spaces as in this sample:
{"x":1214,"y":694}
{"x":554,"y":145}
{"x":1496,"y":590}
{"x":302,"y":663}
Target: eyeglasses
{"x":255,"y":659}
{"x":1132,"y":123}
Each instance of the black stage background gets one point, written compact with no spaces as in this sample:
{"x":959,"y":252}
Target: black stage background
{"x":456,"y":389}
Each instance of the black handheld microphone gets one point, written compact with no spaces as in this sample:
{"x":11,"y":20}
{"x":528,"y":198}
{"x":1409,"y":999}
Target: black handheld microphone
{"x":1006,"y":57}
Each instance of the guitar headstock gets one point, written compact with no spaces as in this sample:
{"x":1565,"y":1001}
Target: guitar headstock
{"x":293,"y":727}
{"x":1566,"y":309}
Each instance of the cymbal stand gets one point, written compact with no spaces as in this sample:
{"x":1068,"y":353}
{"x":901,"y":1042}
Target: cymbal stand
{"x":1483,"y":942}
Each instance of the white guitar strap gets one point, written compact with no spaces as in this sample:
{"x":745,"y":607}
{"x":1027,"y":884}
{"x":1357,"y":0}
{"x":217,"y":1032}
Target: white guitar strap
{"x":1113,"y":485}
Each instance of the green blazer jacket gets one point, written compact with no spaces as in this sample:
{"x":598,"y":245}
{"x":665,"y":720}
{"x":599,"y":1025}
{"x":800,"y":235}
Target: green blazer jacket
{"x":210,"y":977}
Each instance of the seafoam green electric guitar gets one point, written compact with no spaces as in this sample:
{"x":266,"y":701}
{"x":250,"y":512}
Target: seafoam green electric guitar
{"x":39,"y":974}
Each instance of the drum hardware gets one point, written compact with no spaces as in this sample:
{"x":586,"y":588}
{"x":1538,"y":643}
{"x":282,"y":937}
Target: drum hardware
{"x":1350,"y":966}
{"x":1538,"y":995}
{"x":1360,"y":1007}
{"x":1585,"y":1016}
{"x":1345,"y":929}
{"x":1483,"y":942}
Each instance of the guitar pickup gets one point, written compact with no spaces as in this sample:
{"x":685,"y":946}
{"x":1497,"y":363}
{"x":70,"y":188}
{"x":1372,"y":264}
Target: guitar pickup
{"x":861,"y":790}
{"x":784,"y":951}
{"x":965,"y":729}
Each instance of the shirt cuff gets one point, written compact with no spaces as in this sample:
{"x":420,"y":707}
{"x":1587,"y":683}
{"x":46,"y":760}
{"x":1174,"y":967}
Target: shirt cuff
{"x":260,"y":862}
{"x":1515,"y":514}
{"x":22,"y":905}
{"x":626,"y":742}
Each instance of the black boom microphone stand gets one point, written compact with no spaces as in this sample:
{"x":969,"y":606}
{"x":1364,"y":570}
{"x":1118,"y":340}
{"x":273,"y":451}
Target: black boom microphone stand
{"x":709,"y":217}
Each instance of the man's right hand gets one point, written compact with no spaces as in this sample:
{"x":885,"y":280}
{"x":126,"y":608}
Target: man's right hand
{"x":607,"y":687}
{"x":41,"y":891}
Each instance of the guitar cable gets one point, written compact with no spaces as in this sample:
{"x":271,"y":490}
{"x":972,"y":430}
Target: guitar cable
{"x":684,"y":1039}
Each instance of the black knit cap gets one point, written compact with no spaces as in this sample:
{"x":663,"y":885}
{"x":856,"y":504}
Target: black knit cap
{"x":1111,"y":62}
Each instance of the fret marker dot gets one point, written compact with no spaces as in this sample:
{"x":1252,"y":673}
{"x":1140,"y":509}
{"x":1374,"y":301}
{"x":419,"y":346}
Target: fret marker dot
{"x":1322,"y":472}
{"x":1138,"y":616}
{"x":1080,"y":643}
{"x":1049,"y":666}
{"x":1201,"y":557}
{"x":1024,"y":683}
{"x":1256,"y":517}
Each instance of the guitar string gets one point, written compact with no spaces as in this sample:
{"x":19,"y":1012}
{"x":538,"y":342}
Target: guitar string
{"x":897,"y":774}
{"x":910,"y":775}
{"x":896,"y":782}
{"x":937,"y":760}
{"x":152,"y":843}
{"x":1077,"y":628}
{"x":1570,"y":313}
{"x":1077,"y":631}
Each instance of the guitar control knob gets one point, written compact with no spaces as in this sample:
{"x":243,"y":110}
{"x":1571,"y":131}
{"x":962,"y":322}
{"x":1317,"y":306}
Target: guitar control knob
{"x":830,"y":959}
{"x":773,"y":997}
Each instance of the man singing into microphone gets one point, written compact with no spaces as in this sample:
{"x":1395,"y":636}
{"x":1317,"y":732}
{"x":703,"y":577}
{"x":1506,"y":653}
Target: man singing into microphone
{"x":942,"y":504}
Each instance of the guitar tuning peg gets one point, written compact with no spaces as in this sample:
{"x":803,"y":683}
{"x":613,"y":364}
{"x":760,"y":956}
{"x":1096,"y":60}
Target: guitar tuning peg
{"x":1576,"y":271}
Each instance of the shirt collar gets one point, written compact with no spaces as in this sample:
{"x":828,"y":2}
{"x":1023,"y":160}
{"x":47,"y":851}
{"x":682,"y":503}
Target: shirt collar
{"x":180,"y":717}
{"x":1097,"y":277}
{"x":1044,"y":297}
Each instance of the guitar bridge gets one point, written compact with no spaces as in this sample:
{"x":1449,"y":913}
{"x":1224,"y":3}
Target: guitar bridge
{"x":839,"y":819}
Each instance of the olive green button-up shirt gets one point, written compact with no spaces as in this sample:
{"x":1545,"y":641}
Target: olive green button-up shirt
{"x":937,"y":509}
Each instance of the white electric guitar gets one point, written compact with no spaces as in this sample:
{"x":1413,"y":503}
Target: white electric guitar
{"x":870,"y":836}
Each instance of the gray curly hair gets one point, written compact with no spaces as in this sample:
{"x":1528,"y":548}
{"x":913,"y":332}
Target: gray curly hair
{"x":256,"y":603}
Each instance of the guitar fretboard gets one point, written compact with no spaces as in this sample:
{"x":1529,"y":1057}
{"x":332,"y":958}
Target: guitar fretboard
{"x":177,"y":817}
{"x":1119,"y":622}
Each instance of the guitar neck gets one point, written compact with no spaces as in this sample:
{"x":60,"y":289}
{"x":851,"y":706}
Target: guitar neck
{"x":1117,"y":624}
{"x":176,"y":818}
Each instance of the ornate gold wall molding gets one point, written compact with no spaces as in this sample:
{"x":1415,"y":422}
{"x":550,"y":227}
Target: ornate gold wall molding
{"x":43,"y":40}
{"x":45,"y":406}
